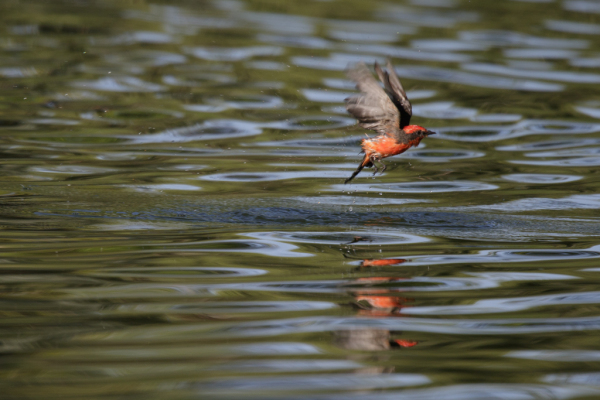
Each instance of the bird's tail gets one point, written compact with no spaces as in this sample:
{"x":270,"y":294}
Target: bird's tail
{"x":365,"y":163}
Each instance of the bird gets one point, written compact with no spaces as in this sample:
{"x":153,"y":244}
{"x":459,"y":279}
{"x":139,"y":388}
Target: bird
{"x":385,"y":110}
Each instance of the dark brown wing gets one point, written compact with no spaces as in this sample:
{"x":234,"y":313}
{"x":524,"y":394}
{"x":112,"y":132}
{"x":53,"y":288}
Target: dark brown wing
{"x":373,"y":108}
{"x":394,"y":89}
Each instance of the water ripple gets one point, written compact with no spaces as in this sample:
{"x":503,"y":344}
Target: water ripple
{"x":446,"y":155}
{"x":358,"y":201}
{"x":197,"y":79}
{"x":573,"y":27}
{"x":425,"y":17}
{"x":406,"y":52}
{"x":581,"y":152}
{"x":443,"y":110}
{"x":158,"y":188}
{"x":221,"y":307}
{"x":71,"y":170}
{"x":502,"y":38}
{"x":309,"y":42}
{"x":272,"y":176}
{"x":330,"y":143}
{"x":593,"y":112}
{"x":325,"y":96}
{"x":247,"y":103}
{"x":209,"y":130}
{"x":379,"y":238}
{"x":585,"y":62}
{"x":544,"y":53}
{"x":583,"y":378}
{"x":160,"y":273}
{"x":568,"y":162}
{"x":472,"y":391}
{"x":421,"y":187}
{"x":503,"y":305}
{"x":53,"y":121}
{"x":471,"y":79}
{"x":278,"y":348}
{"x":557,"y":355}
{"x":414,"y":284}
{"x":521,"y":128}
{"x":578,"y":201}
{"x":312,"y":123}
{"x":584,"y":6}
{"x":447,"y":45}
{"x":541,"y":178}
{"x":265,"y":247}
{"x":505,"y":256}
{"x":120,"y":84}
{"x":280,"y":22}
{"x":550,"y":145}
{"x":279,"y":327}
{"x":314,"y":383}
{"x":361,"y":27}
{"x":560,"y":76}
{"x":232,"y":53}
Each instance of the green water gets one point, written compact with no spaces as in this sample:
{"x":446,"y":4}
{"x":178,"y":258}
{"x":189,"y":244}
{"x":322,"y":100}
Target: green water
{"x":175,"y":223}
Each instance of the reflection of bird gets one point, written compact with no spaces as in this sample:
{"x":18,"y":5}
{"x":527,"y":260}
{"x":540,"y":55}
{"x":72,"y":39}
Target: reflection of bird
{"x":385,"y":110}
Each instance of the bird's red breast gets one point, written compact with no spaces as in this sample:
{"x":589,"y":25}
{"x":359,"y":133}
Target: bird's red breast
{"x":384,"y":146}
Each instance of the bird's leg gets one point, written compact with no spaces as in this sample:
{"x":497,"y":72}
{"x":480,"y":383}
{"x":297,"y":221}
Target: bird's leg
{"x":373,"y":160}
{"x":383,"y":167}
{"x":375,"y":168}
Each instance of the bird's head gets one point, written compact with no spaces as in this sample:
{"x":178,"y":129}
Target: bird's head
{"x":417,"y":131}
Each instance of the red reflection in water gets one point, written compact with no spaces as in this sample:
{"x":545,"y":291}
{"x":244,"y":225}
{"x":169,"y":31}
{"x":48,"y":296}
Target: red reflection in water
{"x":382,"y":262}
{"x":376,"y":302}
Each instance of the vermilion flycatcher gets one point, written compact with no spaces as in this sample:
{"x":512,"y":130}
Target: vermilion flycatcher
{"x":385,"y":110}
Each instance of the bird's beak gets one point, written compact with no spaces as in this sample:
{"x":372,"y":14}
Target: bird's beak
{"x":427,"y":133}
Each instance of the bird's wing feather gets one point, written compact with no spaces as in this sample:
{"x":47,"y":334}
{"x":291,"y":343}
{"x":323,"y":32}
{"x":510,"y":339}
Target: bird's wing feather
{"x":394,"y":89}
{"x":373,"y":108}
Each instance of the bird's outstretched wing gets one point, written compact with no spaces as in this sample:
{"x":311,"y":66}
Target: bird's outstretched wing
{"x":394,"y":89}
{"x":380,"y":109}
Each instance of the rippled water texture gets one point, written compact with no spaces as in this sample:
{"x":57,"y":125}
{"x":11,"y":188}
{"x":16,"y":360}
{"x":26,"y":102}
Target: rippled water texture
{"x":175,"y":223}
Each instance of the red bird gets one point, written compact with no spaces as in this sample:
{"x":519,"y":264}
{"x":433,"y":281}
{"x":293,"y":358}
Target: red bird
{"x":385,"y":110}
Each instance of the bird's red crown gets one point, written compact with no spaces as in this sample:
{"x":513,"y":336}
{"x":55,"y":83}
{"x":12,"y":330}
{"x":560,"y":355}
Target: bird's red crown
{"x":413,"y":128}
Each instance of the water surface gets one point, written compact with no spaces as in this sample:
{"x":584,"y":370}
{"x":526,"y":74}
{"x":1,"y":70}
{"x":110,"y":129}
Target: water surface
{"x":175,"y":223}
